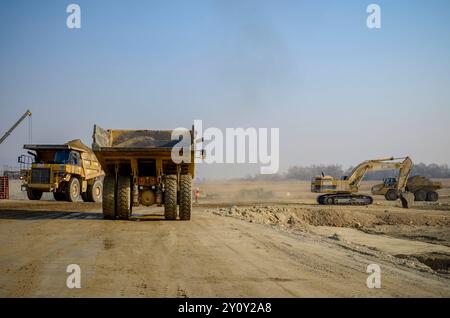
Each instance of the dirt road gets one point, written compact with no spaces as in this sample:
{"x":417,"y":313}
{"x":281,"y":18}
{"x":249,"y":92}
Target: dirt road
{"x":209,"y":256}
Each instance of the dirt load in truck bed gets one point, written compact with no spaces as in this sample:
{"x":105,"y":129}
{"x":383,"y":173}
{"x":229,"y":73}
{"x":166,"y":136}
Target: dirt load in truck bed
{"x":133,"y":139}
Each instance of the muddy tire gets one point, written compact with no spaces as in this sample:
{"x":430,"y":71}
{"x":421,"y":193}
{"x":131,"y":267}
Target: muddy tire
{"x":432,"y":196}
{"x":391,"y":195}
{"x":185,"y":196}
{"x":33,"y":194}
{"x":109,"y":198}
{"x":94,"y":192}
{"x":59,"y":196}
{"x":124,"y":197}
{"x":73,"y":190}
{"x":170,"y":197}
{"x":420,"y":195}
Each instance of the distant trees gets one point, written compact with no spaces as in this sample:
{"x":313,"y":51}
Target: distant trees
{"x":307,"y":172}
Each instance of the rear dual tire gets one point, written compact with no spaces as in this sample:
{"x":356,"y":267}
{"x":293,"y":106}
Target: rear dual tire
{"x":124,"y":197}
{"x":116,"y":198}
{"x":93,"y":192}
{"x":432,"y":196}
{"x":170,"y":197}
{"x":423,"y":195}
{"x":420,"y":195}
{"x":108,"y":198}
{"x":185,"y":197}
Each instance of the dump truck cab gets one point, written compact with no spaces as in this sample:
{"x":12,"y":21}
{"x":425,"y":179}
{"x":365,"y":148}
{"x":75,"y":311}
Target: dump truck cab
{"x":67,"y":157}
{"x":424,"y":189}
{"x":67,"y":170}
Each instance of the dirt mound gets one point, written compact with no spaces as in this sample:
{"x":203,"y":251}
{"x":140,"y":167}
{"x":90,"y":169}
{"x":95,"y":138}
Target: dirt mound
{"x":439,"y":262}
{"x":300,"y":217}
{"x":273,"y":215}
{"x":337,"y":218}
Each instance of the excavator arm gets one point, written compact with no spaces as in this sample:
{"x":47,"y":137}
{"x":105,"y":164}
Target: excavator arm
{"x":404,"y":168}
{"x":404,"y":173}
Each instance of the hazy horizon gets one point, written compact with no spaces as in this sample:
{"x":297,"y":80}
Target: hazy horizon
{"x":339,"y":92}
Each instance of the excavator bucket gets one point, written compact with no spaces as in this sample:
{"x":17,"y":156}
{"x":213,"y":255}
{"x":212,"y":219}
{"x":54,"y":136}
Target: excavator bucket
{"x":407,"y":199}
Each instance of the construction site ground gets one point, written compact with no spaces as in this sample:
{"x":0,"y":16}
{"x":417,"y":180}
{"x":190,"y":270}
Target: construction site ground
{"x":245,"y":239}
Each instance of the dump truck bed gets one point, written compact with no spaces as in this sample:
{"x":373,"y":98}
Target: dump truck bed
{"x":117,"y":144}
{"x":46,"y":152}
{"x":71,"y":145}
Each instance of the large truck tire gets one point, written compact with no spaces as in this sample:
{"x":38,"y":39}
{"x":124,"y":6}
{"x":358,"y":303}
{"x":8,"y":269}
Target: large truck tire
{"x":432,"y":196}
{"x":420,"y":195}
{"x":109,"y":197}
{"x":59,"y":196}
{"x":185,"y":196}
{"x":94,"y":191}
{"x":73,"y":190}
{"x":33,"y":194}
{"x":124,"y":197}
{"x":391,"y":195}
{"x":170,"y":197}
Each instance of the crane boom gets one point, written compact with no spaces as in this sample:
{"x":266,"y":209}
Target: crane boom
{"x":26,"y":114}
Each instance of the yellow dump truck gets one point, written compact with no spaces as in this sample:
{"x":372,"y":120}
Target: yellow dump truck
{"x":139,"y":170}
{"x":423,"y":188}
{"x":68,"y":170}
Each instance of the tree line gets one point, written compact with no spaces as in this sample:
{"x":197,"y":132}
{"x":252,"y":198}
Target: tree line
{"x":307,"y":172}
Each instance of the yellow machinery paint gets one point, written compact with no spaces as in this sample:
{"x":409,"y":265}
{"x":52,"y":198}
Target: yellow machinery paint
{"x":344,"y":191}
{"x":68,"y":170}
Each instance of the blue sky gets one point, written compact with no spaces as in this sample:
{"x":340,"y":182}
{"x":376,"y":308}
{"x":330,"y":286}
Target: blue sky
{"x":338,"y":91}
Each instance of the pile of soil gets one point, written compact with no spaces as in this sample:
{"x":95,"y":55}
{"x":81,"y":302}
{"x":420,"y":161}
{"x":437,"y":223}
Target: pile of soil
{"x":300,"y":217}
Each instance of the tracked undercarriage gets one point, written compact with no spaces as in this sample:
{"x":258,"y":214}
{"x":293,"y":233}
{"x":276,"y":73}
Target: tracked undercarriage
{"x":344,"y":199}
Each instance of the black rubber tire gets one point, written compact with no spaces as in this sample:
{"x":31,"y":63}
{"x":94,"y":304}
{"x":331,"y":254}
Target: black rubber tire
{"x":109,"y":197}
{"x":185,"y":197}
{"x":170,"y":197}
{"x":33,"y":194}
{"x":124,"y":197}
{"x":84,"y":196}
{"x":432,"y":196}
{"x":420,"y":195}
{"x":94,"y":191}
{"x":391,"y":195}
{"x":59,"y":196}
{"x":72,"y":190}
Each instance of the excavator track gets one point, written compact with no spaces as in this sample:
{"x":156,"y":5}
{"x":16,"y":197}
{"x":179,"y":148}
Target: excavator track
{"x":344,"y":199}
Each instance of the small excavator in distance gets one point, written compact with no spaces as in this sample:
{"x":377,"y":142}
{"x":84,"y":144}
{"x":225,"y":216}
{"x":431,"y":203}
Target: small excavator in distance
{"x":344,"y":191}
